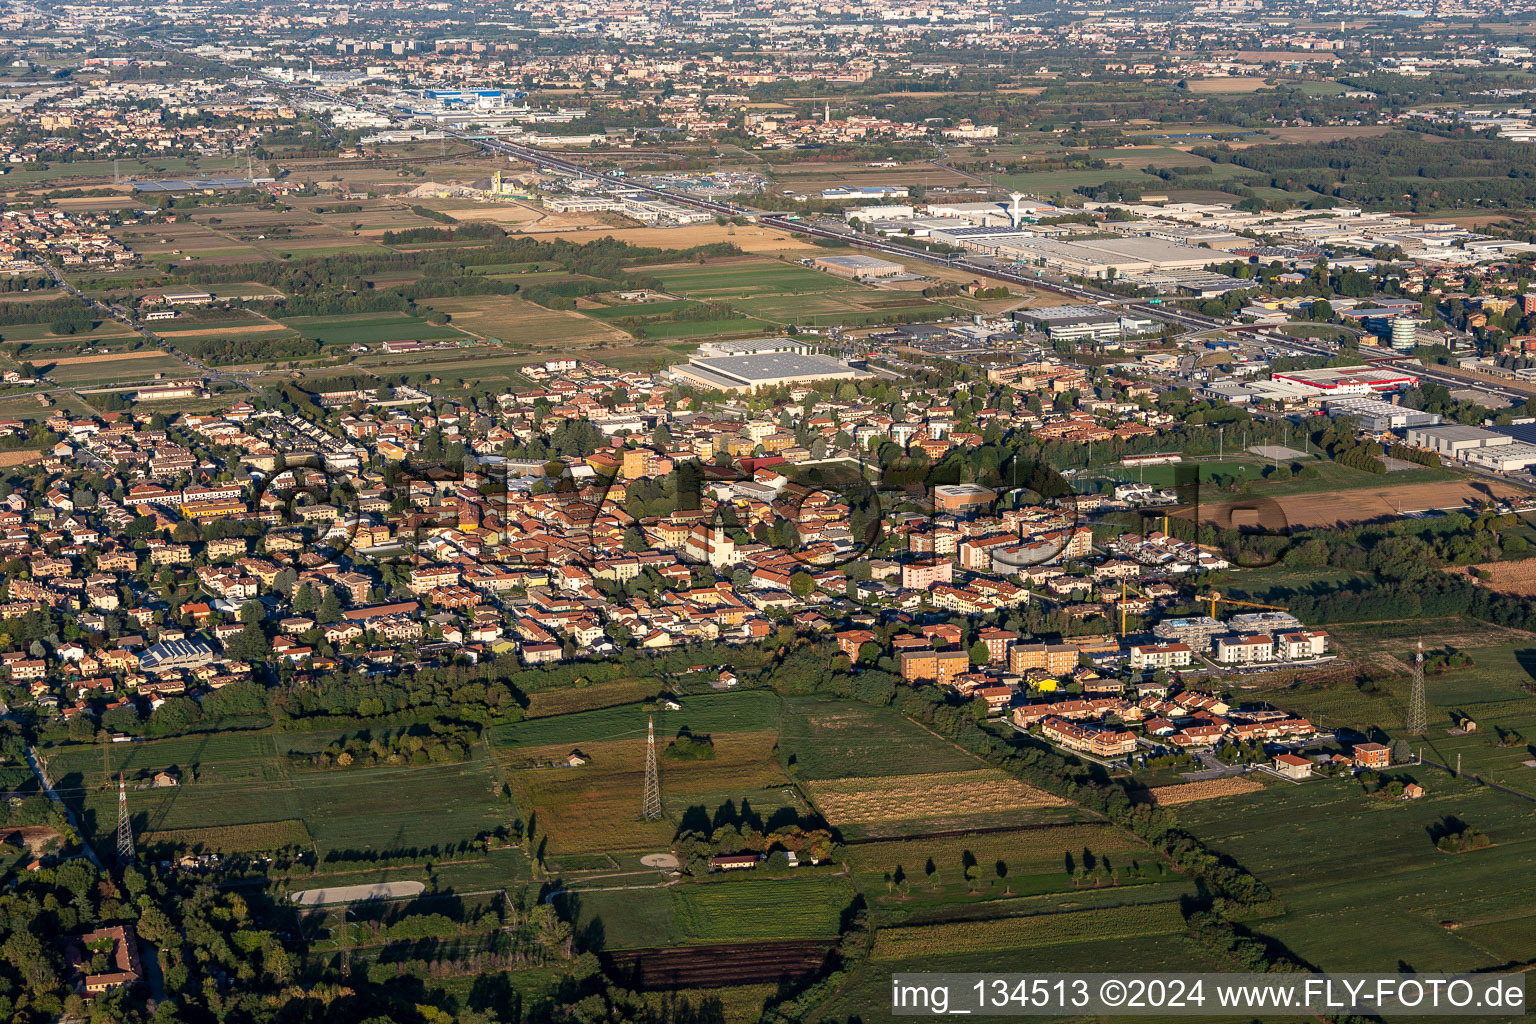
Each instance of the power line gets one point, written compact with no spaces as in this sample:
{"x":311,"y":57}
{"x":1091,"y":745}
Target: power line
{"x":124,"y":827}
{"x":1417,"y":713}
{"x":650,"y":807}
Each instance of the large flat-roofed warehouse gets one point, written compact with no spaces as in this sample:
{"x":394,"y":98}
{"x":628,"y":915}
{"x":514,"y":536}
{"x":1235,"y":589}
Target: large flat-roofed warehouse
{"x":1454,"y":440}
{"x":1074,"y":323}
{"x":1338,"y":382}
{"x":1087,"y":258}
{"x":1504,"y":458}
{"x":1375,"y":415}
{"x":762,"y":370}
{"x":858,"y":268}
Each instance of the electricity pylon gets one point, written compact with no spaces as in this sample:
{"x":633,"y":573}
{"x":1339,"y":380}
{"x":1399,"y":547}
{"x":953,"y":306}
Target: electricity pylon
{"x":124,"y":829}
{"x":650,"y":808}
{"x":1417,"y":714}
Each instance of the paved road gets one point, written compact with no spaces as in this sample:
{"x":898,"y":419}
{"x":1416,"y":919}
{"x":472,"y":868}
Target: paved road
{"x":202,"y":369}
{"x":35,"y":760}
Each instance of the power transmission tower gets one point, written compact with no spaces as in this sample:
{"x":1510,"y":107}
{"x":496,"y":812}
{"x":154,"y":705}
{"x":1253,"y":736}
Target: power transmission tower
{"x":124,"y":829}
{"x":1417,"y":715}
{"x":650,"y":809}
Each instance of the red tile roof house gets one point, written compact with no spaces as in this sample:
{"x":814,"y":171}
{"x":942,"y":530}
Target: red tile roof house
{"x":1292,"y":767}
{"x":1372,"y":755}
{"x":123,"y":965}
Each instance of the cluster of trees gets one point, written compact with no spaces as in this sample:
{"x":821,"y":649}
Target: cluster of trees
{"x":1341,"y":444}
{"x":691,"y":747}
{"x":1403,"y":549}
{"x":434,"y":743}
{"x":474,"y":231}
{"x":205,"y":939}
{"x":1405,"y":453}
{"x":446,"y":691}
{"x":697,"y":841}
{"x":1462,"y":842}
{"x":1396,"y":169}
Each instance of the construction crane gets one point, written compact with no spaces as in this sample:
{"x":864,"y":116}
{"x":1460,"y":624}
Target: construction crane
{"x":1123,"y":587}
{"x":1215,"y":596}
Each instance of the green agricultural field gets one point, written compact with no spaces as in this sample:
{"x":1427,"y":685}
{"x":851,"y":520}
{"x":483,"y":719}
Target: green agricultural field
{"x":654,"y":321}
{"x":133,"y":367}
{"x":521,"y":324}
{"x":738,"y":909}
{"x":641,"y":310}
{"x":368,"y":328}
{"x":718,"y":910}
{"x":594,"y":808}
{"x":240,"y":778}
{"x":745,"y":710}
{"x":867,"y":994}
{"x":100,"y":331}
{"x":935,"y":879}
{"x":1350,"y":868}
{"x":744,"y":279}
{"x":1056,"y":849}
{"x":407,"y":807}
{"x":835,"y":739}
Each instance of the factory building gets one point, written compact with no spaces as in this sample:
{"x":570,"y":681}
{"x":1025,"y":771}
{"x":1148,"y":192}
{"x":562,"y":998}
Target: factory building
{"x":1376,"y":416}
{"x":1341,"y":382}
{"x":858,"y":268}
{"x":1078,"y":323}
{"x":760,"y":370}
{"x":1455,"y":441}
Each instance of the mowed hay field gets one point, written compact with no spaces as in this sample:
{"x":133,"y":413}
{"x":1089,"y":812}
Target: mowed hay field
{"x":1517,"y":578}
{"x":1208,"y":789}
{"x":875,"y":774}
{"x":963,"y":796}
{"x":1363,"y":504}
{"x":751,"y":238}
